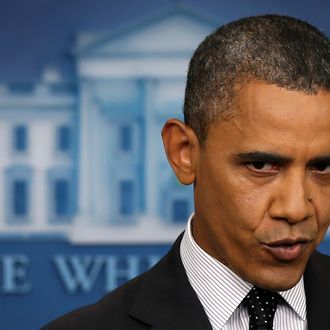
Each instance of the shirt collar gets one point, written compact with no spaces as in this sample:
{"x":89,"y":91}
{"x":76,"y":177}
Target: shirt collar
{"x":214,"y":282}
{"x":296,"y":298}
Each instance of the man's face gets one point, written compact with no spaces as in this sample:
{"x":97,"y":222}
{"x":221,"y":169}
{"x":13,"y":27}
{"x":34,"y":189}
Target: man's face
{"x":254,"y":179}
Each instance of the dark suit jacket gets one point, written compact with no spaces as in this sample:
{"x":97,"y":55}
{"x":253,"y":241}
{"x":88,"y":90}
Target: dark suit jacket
{"x":163,"y":299}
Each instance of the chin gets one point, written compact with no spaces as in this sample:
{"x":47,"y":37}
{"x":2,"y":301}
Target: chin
{"x":279,"y":281}
{"x":279,"y":286}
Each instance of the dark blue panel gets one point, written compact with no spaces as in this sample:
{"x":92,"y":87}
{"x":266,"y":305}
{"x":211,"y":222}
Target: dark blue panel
{"x":41,"y":279}
{"x":20,"y":197}
{"x":126,"y":197}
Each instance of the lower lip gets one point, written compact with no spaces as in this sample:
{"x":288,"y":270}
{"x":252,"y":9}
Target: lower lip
{"x":287,"y":253}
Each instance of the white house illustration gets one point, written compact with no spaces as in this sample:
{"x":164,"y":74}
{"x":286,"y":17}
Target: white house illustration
{"x":85,"y":160}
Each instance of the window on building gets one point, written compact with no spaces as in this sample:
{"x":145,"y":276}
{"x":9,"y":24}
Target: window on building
{"x":61,"y":192}
{"x":63,"y":138}
{"x":126,"y":138}
{"x":180,"y":210}
{"x":61,"y":197}
{"x":21,"y":87}
{"x":20,"y":198}
{"x":126,"y":197}
{"x":20,"y":138}
{"x":19,"y":180}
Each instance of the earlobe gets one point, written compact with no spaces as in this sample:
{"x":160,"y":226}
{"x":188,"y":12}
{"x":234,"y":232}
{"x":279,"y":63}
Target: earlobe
{"x":181,"y":147}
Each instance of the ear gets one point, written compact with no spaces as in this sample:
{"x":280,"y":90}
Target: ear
{"x":182,"y":149}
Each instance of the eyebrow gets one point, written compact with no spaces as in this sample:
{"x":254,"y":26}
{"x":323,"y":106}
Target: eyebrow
{"x":264,"y":157}
{"x":271,"y":157}
{"x":320,"y":160}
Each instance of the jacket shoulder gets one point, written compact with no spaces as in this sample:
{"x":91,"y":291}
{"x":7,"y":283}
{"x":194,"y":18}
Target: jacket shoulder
{"x":111,"y":312}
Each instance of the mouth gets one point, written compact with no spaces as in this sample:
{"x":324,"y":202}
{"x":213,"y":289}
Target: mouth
{"x":287,"y":249}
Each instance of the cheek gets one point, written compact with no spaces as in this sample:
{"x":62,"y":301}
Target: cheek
{"x":241,"y":203}
{"x":244,"y":204}
{"x":247,"y":194}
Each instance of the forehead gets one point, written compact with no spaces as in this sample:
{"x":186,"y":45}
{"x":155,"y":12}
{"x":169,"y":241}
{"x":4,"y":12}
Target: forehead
{"x":262,"y":105}
{"x":269,"y":117}
{"x":257,"y":98}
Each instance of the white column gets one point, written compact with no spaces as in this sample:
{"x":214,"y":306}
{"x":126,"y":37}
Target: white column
{"x":4,"y":160}
{"x":38,"y":198}
{"x":42,"y":136}
{"x":85,"y":191}
{"x":3,"y":200}
{"x":99,"y":197}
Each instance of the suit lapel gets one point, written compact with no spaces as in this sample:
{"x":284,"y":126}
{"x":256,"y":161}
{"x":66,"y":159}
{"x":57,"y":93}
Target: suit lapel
{"x":165,"y":299}
{"x":317,"y":288}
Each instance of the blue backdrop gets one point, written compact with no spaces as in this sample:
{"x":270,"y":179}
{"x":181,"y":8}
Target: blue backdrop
{"x":87,"y":200}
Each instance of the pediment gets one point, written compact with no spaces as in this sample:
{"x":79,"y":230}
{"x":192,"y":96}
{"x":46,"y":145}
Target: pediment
{"x":176,"y":32}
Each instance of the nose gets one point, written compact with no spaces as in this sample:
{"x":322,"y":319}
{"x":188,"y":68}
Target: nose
{"x":291,"y":200}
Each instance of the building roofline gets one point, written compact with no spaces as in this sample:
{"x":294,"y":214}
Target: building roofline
{"x":145,"y":21}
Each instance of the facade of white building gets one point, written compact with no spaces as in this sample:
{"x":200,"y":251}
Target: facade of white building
{"x":85,"y":160}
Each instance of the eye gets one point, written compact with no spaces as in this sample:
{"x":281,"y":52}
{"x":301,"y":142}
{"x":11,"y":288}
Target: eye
{"x":260,"y":166}
{"x":323,"y":168}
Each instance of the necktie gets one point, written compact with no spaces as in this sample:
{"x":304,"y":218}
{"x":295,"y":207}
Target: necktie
{"x":261,"y":305}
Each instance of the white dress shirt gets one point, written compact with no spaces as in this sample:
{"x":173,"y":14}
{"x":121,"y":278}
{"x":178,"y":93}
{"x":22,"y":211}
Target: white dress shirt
{"x":221,"y":292}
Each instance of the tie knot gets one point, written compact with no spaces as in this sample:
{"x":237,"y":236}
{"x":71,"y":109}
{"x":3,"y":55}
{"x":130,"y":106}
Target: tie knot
{"x":261,"y":305}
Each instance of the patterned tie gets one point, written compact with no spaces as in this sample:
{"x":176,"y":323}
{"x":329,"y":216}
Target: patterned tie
{"x":261,"y":305}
